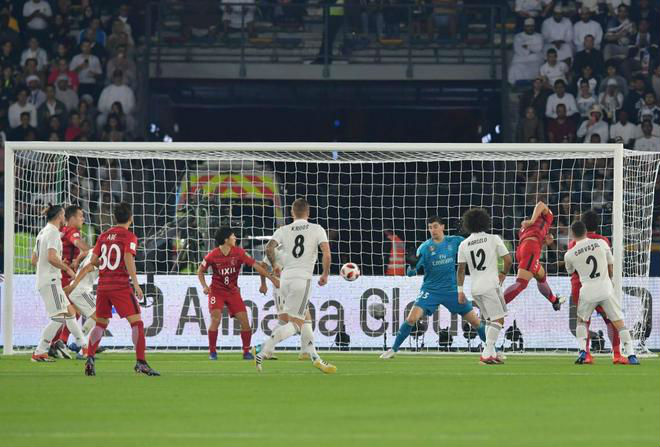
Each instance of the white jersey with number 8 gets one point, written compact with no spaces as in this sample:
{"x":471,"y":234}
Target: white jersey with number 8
{"x":299,"y":242}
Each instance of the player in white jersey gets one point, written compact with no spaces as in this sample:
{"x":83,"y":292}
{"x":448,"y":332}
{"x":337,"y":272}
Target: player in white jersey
{"x":299,"y":243}
{"x":592,"y":260}
{"x":481,"y":252}
{"x":47,"y":257}
{"x":277,"y":298}
{"x":81,"y":293}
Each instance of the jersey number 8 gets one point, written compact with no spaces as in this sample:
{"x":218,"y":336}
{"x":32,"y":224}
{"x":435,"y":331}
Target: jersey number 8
{"x":106,"y":255}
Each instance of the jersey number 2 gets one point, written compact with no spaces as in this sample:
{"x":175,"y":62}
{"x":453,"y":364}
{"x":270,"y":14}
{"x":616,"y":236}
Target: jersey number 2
{"x":594,"y":271}
{"x":481,"y":254}
{"x":106,"y":255}
{"x":298,"y":247}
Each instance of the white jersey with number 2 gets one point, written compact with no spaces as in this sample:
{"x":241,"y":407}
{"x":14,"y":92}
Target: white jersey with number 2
{"x":590,"y":258}
{"x":299,"y":242}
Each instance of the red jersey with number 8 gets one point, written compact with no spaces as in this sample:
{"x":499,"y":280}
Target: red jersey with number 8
{"x":110,"y":248}
{"x":226,"y":268}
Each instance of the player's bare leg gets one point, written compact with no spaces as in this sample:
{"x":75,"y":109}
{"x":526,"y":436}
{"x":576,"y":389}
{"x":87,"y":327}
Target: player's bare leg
{"x":546,"y":291}
{"x":216,"y":317}
{"x":246,"y":334}
{"x":404,"y":331}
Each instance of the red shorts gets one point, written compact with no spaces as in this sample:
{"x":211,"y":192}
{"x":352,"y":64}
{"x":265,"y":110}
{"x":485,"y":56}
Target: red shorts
{"x":528,"y":255}
{"x":123,"y":300}
{"x":233,"y":301}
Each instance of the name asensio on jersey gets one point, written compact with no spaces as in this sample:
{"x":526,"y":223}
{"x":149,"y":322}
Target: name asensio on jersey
{"x":590,"y":247}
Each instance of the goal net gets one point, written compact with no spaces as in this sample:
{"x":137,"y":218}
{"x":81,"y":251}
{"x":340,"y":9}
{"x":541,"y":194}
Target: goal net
{"x":373,"y":199}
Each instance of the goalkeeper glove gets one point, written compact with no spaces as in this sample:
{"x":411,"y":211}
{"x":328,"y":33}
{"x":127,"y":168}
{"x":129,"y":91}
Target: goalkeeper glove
{"x":411,"y":271}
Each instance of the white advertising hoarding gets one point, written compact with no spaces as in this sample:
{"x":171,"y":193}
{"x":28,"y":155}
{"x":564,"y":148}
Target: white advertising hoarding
{"x":177,"y":314}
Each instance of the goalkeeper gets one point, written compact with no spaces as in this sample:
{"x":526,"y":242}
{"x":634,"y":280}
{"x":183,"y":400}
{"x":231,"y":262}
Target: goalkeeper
{"x":437,"y":256}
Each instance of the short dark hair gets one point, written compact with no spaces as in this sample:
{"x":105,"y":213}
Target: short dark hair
{"x":222,"y":235}
{"x":300,"y":206}
{"x":52,"y":211}
{"x":578,"y":228}
{"x":434,"y":219}
{"x":560,"y":82}
{"x":591,"y":220}
{"x":476,"y":220}
{"x":551,"y":51}
{"x":71,"y":211}
{"x":122,"y":213}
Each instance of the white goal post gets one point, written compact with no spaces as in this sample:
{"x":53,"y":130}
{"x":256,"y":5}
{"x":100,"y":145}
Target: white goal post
{"x":380,"y":191}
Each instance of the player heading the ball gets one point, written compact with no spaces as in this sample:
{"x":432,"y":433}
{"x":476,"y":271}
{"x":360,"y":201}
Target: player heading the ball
{"x":437,"y":256}
{"x":482,"y":252}
{"x":114,"y":255}
{"x":533,"y":236}
{"x":226,"y":260}
{"x":592,"y":260}
{"x":300,"y":242}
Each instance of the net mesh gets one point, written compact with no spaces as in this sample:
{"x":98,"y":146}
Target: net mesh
{"x":374,"y":205}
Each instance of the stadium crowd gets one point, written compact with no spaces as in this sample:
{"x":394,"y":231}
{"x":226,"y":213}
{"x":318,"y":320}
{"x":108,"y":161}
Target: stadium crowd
{"x":594,"y":70}
{"x":68,"y":70}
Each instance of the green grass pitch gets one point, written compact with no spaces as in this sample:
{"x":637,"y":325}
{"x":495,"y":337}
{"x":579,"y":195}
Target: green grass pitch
{"x":426,"y":400}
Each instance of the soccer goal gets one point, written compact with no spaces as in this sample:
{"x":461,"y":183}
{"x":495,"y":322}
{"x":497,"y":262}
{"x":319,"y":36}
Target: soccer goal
{"x":373,"y":199}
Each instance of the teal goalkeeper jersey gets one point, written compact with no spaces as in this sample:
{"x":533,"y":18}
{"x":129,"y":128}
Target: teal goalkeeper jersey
{"x":439,"y":263}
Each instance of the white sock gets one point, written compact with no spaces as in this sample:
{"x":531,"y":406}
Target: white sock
{"x":626,"y":342}
{"x":581,"y":335}
{"x":48,"y":334}
{"x":74,"y":328}
{"x":492,"y":332}
{"x":279,"y":334}
{"x":88,"y":326}
{"x":307,"y":340}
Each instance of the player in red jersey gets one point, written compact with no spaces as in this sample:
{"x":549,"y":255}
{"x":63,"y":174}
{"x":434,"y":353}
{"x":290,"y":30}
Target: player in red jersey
{"x":114,"y":255}
{"x":74,"y":250}
{"x":591,"y":221}
{"x":533,"y":235}
{"x":226,"y":261}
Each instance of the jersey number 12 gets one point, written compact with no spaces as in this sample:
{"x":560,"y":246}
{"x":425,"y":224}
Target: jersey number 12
{"x":481,"y":254}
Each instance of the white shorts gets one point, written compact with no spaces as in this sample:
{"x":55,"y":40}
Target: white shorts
{"x":491,"y":304}
{"x":294,"y":294}
{"x":54,"y":299}
{"x":85,"y":302}
{"x":609,"y":304}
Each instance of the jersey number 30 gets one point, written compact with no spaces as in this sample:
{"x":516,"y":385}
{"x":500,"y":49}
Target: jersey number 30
{"x":107,"y":255}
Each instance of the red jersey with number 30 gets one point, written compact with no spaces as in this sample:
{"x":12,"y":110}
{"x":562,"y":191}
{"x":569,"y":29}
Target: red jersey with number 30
{"x":575,"y":278}
{"x":110,"y":248}
{"x":70,"y":252}
{"x":226,"y":268}
{"x":538,"y":229}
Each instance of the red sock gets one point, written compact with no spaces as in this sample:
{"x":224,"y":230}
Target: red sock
{"x":246,"y":337}
{"x":64,"y":335}
{"x":138,"y":339}
{"x":588,"y":338}
{"x":545,"y":289}
{"x":613,"y":335}
{"x":514,"y":289}
{"x":58,"y":334}
{"x":213,"y":341}
{"x":95,"y":338}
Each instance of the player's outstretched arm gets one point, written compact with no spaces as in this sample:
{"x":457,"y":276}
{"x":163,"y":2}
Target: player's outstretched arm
{"x":129,"y":260}
{"x":263,"y":287}
{"x":507,"y":262}
{"x":265,"y":273}
{"x":81,"y":275}
{"x":460,"y":280}
{"x":270,"y":254}
{"x":202,"y":279}
{"x":84,"y":250}
{"x":541,"y":209}
{"x":327,"y":259}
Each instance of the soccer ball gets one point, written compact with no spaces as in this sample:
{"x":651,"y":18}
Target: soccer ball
{"x":350,"y":271}
{"x":376,"y":310}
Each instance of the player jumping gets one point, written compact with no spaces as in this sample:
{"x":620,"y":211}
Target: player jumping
{"x":226,"y":260}
{"x":300,"y":242}
{"x":533,"y":235}
{"x":437,"y":256}
{"x":592,"y":260}
{"x":47,"y":257}
{"x":591,"y":221}
{"x":114,"y":255}
{"x":482,"y":251}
